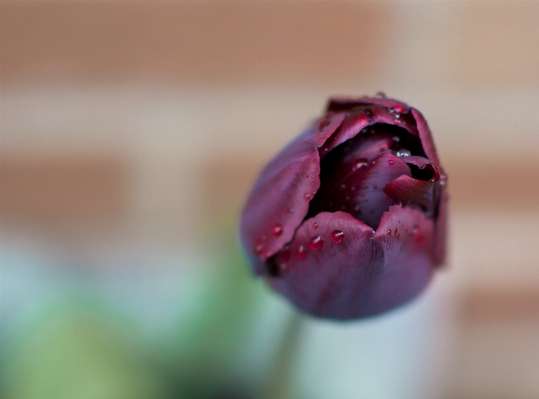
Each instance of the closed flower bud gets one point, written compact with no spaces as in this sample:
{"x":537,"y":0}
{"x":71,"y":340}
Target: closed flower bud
{"x":349,"y":219}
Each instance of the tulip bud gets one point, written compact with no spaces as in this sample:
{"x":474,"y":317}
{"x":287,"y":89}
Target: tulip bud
{"x":349,"y":219}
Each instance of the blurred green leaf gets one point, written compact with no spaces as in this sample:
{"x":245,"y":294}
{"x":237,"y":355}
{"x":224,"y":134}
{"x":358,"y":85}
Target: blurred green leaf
{"x":79,"y":355}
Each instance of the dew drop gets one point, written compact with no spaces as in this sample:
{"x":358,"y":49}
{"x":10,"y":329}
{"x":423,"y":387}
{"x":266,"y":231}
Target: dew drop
{"x":391,"y":162}
{"x":307,"y":197}
{"x":415,"y":232}
{"x":316,"y":243}
{"x":403,"y":153}
{"x":443,"y":179}
{"x":389,"y":232}
{"x":258,"y":249}
{"x":302,"y":253}
{"x":277,"y":230}
{"x":315,"y":225}
{"x":368,"y":114}
{"x":360,"y":164}
{"x":397,"y":109}
{"x":289,"y":210}
{"x":337,"y":236}
{"x":396,"y":139}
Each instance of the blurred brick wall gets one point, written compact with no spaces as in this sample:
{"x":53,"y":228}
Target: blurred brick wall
{"x":157,"y":116}
{"x":65,"y":189}
{"x":192,"y":42}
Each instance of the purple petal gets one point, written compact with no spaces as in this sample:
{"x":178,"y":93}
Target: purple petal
{"x":426,"y":137}
{"x":405,"y":237}
{"x":360,"y":273}
{"x":367,"y":115}
{"x":361,"y":193}
{"x":346,"y":103}
{"x":328,"y":281}
{"x":280,"y":199}
{"x":352,"y":158}
{"x":425,"y":165}
{"x":407,"y":189}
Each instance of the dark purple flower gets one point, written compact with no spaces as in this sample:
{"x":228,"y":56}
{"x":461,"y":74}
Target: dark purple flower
{"x":349,"y":220}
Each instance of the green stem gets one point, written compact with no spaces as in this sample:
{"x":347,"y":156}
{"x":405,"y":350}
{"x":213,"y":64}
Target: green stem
{"x":279,"y":383}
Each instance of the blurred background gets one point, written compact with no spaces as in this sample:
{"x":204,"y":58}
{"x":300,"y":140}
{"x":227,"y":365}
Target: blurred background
{"x":130,"y":135}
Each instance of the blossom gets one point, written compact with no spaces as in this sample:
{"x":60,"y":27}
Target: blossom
{"x":349,"y":219}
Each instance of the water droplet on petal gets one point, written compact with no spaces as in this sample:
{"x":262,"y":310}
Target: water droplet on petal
{"x":369,"y":114}
{"x":360,"y":164}
{"x":302,"y":253}
{"x":258,"y":249}
{"x":415,"y":232}
{"x":397,"y":109}
{"x":391,"y":162}
{"x":315,"y":225}
{"x":396,"y":139}
{"x":316,"y":243}
{"x":277,"y":230}
{"x":443,"y":179}
{"x":389,"y":232}
{"x":403,"y":153}
{"x":337,"y":236}
{"x":307,"y":197}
